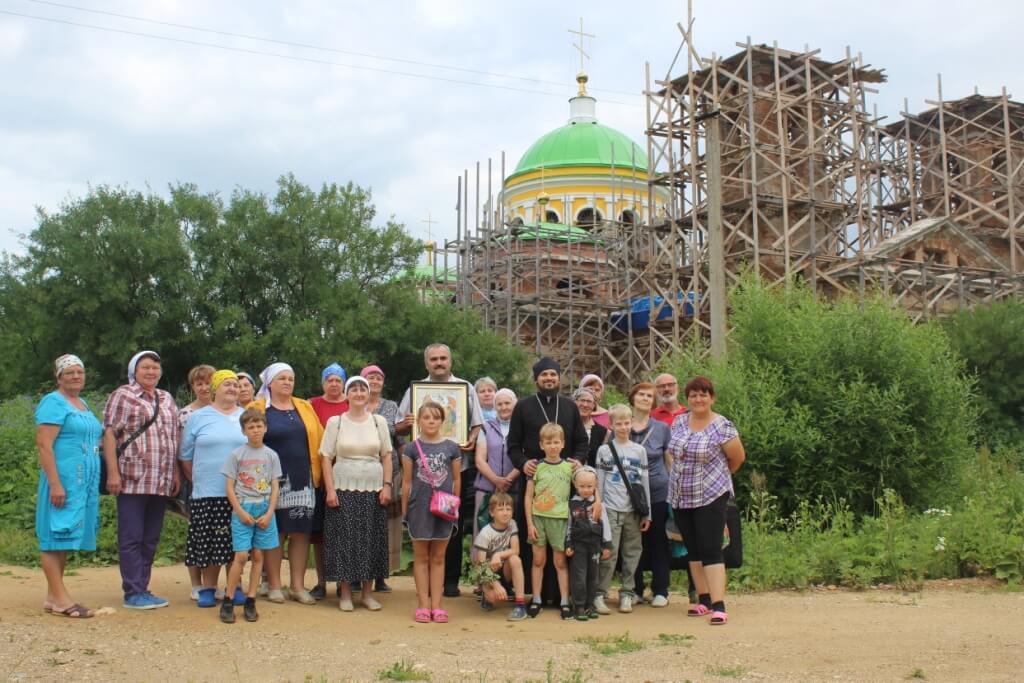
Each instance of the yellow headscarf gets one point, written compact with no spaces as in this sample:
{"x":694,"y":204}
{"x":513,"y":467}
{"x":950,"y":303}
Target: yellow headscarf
{"x":219,"y":377}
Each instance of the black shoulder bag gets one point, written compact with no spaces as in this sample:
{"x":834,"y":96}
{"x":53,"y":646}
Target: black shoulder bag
{"x":128,"y":442}
{"x":637,"y":495}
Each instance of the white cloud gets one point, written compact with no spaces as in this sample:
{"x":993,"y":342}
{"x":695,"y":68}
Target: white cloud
{"x":13,"y":35}
{"x":81,"y":106}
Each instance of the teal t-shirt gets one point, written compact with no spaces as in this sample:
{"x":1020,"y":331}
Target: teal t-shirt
{"x":551,"y":486}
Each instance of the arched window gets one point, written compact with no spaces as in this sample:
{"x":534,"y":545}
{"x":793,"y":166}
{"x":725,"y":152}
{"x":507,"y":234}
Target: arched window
{"x":516,"y":222}
{"x":629,"y":217}
{"x":588,"y":218}
{"x":551,"y":217}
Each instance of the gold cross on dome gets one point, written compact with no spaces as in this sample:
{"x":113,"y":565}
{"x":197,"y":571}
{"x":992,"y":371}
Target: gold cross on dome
{"x":429,"y":223}
{"x":579,"y":47}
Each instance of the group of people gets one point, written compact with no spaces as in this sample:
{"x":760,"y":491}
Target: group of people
{"x":258,"y":472}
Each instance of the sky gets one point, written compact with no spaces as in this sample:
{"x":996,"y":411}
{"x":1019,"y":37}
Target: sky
{"x":398,"y":96}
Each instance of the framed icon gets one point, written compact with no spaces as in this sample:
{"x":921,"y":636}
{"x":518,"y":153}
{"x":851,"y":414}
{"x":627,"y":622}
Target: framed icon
{"x":454,"y":398}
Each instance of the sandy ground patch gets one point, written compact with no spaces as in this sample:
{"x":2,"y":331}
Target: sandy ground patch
{"x":951,"y":631}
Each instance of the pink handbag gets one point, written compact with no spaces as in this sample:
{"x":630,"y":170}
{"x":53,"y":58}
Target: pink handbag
{"x":442,"y":504}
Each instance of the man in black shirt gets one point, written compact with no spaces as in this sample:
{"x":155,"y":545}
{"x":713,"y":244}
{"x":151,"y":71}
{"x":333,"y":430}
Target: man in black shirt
{"x":523,"y":442}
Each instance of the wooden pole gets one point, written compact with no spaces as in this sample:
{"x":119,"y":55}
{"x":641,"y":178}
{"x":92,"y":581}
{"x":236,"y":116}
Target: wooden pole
{"x":716,"y":248}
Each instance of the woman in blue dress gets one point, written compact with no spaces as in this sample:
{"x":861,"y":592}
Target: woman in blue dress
{"x":67,"y":504}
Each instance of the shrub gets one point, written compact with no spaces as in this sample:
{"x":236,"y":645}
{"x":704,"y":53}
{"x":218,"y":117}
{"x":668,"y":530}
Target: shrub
{"x":840,"y":399}
{"x":19,"y":480}
{"x":988,"y":337}
{"x":981,"y":534}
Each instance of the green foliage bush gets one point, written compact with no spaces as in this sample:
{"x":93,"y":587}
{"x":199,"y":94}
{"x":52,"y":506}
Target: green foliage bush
{"x":989,"y":339}
{"x":839,"y":400}
{"x":822,"y":543}
{"x":19,"y":481}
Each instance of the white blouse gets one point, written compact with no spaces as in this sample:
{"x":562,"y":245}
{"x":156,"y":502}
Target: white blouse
{"x":357,"y":449}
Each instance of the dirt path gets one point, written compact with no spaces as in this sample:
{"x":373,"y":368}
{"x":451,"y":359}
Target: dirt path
{"x":950,"y":631}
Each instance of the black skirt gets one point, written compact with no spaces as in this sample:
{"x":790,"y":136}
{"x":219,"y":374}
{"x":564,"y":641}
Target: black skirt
{"x":209,"y":533}
{"x":356,"y":538}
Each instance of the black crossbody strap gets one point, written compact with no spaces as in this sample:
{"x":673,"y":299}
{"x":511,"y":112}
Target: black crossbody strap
{"x":149,"y":423}
{"x":625,"y":479}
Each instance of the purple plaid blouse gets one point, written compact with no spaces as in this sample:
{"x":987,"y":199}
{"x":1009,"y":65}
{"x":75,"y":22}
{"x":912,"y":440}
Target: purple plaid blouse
{"x":147,"y":467}
{"x":700,"y":470}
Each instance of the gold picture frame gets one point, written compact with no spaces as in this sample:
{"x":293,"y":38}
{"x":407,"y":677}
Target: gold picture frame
{"x":454,"y":398}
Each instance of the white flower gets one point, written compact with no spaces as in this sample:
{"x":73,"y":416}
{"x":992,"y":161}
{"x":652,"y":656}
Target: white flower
{"x":941,"y":544}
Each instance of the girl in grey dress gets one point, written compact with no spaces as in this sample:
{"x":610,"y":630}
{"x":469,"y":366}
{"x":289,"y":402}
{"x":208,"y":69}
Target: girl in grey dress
{"x":430,"y":462}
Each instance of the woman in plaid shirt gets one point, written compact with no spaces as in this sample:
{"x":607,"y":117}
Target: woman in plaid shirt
{"x":141,"y":474}
{"x":705,"y":450}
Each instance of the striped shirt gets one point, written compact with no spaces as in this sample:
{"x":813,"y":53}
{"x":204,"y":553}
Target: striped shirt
{"x":147,"y":466}
{"x":700,"y":470}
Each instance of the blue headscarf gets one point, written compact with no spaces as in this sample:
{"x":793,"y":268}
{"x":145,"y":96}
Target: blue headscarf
{"x":333,"y":369}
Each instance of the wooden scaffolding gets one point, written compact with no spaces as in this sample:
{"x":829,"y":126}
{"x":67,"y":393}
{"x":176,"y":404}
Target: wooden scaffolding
{"x":774,"y":163}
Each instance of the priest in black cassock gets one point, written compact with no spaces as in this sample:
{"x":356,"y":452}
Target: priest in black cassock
{"x":523,"y":443}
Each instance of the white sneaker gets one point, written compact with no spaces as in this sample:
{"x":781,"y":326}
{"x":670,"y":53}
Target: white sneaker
{"x":599,"y":605}
{"x":219,"y":594}
{"x":626,"y":603}
{"x":659,"y":601}
{"x":263,"y":590}
{"x":195,"y":592}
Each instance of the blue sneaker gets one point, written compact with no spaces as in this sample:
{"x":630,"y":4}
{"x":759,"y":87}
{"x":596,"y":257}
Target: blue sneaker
{"x":156,"y":601}
{"x":239,"y":597}
{"x":138,"y":601}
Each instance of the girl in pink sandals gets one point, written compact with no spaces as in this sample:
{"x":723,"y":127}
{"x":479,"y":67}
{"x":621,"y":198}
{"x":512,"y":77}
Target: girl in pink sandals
{"x":430,"y":463}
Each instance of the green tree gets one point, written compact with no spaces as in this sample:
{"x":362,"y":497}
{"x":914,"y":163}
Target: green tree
{"x":840,"y":400}
{"x":103,"y":277}
{"x":304,"y":276}
{"x":989,"y":339}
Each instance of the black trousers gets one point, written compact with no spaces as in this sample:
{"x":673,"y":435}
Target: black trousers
{"x":655,"y":557}
{"x":584,"y":566}
{"x":702,"y":530}
{"x":453,"y":554}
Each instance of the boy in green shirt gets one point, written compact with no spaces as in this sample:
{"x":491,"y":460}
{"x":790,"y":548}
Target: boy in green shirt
{"x":547,"y":514}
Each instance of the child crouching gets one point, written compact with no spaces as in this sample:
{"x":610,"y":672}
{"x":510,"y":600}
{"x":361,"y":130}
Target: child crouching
{"x":253,"y":473}
{"x":586,"y":543}
{"x":496,"y":557}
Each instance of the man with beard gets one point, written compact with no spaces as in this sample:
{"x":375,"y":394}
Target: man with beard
{"x":530,"y":414}
{"x":669,"y":407}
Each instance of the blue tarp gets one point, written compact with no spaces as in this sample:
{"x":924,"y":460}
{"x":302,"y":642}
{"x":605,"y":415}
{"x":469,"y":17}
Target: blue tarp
{"x":640,"y":311}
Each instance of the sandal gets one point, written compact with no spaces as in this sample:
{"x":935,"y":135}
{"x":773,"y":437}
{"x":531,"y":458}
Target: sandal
{"x":440,"y":616}
{"x":698,"y":610}
{"x":421,"y":616}
{"x":75,"y":611}
{"x":47,"y":606}
{"x":565,"y":612}
{"x":719,"y":619}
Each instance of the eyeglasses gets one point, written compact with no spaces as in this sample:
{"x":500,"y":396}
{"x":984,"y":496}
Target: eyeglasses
{"x":667,"y":386}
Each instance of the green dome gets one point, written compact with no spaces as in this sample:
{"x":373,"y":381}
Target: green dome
{"x":581,"y":144}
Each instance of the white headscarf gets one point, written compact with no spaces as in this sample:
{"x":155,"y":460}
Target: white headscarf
{"x":505,"y":391}
{"x":587,"y":379}
{"x":356,"y":379}
{"x":135,"y":361}
{"x":267,"y":376}
{"x":66,"y":361}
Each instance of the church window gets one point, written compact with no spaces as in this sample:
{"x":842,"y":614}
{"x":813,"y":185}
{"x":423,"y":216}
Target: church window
{"x":588,"y":218}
